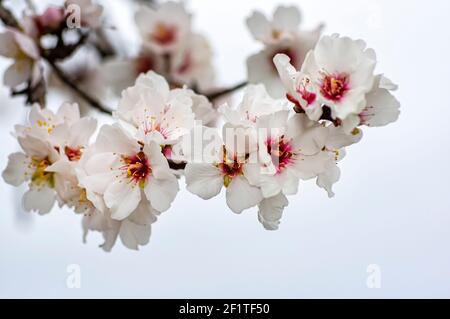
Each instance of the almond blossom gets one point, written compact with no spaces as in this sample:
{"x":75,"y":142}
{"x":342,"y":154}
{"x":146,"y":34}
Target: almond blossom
{"x":152,"y":111}
{"x":354,"y":98}
{"x":31,"y":166}
{"x":284,"y":25}
{"x":126,"y":171}
{"x":291,"y":149}
{"x":134,"y":231}
{"x":165,"y":29}
{"x":53,"y":144}
{"x":169,"y":47}
{"x":23,"y":50}
{"x":225,"y":169}
{"x":282,"y":35}
{"x":192,"y":65}
{"x":343,"y":70}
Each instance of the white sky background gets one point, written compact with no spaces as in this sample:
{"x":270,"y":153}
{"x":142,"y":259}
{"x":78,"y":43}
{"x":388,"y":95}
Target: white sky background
{"x":392,"y":204}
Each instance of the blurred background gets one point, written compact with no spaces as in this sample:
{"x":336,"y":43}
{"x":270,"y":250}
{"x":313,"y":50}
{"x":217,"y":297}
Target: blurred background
{"x":391,"y":212}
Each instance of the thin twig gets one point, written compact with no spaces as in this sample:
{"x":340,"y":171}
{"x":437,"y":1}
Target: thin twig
{"x":215,"y":95}
{"x":7,"y":17}
{"x":85,"y":96}
{"x":103,"y":45}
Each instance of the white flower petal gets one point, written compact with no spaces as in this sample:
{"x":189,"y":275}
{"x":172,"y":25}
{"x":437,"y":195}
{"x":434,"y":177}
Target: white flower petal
{"x":35,"y":147}
{"x":112,"y":138}
{"x":98,"y":171}
{"x":82,"y":131}
{"x":308,"y":167}
{"x":102,"y":223}
{"x":161,"y":192}
{"x":271,"y":185}
{"x":18,"y":169}
{"x":203,"y":180}
{"x":69,"y":112}
{"x":40,"y":200}
{"x":307,"y":136}
{"x":329,"y":177}
{"x":122,"y":198}
{"x":287,"y":18}
{"x":291,"y":182}
{"x":338,"y":138}
{"x":18,"y":73}
{"x":27,"y":45}
{"x":271,"y":211}
{"x":382,"y":108}
{"x":285,"y":70}
{"x":259,"y":26}
{"x":241,"y":195}
{"x":134,"y":235}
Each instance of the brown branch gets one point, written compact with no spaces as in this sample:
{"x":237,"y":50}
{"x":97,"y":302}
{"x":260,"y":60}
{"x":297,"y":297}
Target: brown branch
{"x":215,"y":95}
{"x":85,"y":96}
{"x":103,"y":45}
{"x":7,"y":17}
{"x":176,"y":166}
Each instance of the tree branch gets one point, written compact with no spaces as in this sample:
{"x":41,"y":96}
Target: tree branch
{"x":7,"y":17}
{"x":219,"y":94}
{"x":85,"y":96}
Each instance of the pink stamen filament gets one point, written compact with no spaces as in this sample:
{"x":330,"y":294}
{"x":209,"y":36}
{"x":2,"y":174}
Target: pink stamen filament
{"x":334,"y":86}
{"x":281,"y":152}
{"x":137,"y":168}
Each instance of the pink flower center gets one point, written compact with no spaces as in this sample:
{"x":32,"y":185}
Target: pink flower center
{"x":230,"y":168}
{"x":137,"y":168}
{"x":164,"y":34}
{"x":73,"y":154}
{"x":334,"y":86}
{"x":281,"y":152}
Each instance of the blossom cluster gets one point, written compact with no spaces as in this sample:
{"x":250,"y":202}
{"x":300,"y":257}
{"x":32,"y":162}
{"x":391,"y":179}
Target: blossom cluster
{"x":169,"y":47}
{"x":308,"y":100}
{"x":24,"y":42}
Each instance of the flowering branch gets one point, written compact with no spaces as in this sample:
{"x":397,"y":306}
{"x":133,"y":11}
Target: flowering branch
{"x":295,"y":127}
{"x":61,"y":51}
